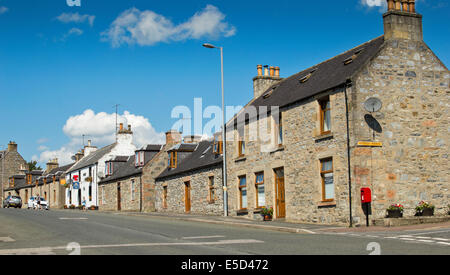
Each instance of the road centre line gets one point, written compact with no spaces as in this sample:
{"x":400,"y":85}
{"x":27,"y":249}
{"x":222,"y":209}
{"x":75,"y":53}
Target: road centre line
{"x":50,"y":249}
{"x":203,"y":237}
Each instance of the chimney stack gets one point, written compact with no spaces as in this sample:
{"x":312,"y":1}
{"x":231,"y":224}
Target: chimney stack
{"x":12,"y":146}
{"x":173,"y":137}
{"x":52,"y":164}
{"x":262,"y":83}
{"x":402,"y":22}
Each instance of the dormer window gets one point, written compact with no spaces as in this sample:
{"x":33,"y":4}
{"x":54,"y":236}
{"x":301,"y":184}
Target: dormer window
{"x":139,"y":161}
{"x":173,"y":159}
{"x":217,"y":146}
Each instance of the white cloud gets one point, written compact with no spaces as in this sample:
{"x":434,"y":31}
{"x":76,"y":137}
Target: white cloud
{"x":3,"y":10}
{"x":76,"y":18}
{"x":100,"y":128}
{"x":72,"y":32}
{"x":147,"y":28}
{"x":374,"y":3}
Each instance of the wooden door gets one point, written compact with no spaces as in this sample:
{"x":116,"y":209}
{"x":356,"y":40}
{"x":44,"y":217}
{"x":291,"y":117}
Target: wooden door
{"x":187,"y":196}
{"x":280,"y":193}
{"x":119,"y":198}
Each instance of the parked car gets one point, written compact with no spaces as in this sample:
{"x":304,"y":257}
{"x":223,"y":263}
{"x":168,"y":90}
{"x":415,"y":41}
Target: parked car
{"x":12,"y":201}
{"x":33,"y":203}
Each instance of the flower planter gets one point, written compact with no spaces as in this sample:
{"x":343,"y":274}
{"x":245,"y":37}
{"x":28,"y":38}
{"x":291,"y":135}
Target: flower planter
{"x":394,"y":214}
{"x":267,"y":218}
{"x":428,"y":212}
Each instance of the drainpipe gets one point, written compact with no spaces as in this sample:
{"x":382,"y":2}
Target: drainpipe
{"x":348,"y":84}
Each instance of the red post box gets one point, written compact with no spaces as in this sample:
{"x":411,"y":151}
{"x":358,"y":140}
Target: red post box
{"x":366,"y":195}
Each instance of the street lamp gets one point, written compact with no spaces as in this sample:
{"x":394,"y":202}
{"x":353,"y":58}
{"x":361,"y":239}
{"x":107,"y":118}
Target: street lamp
{"x":224,"y":141}
{"x":3,"y":171}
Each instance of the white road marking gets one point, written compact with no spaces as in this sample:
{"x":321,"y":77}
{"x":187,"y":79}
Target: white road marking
{"x":203,"y":237}
{"x":49,"y":250}
{"x":73,"y":218}
{"x":441,"y":239}
{"x":443,"y":243}
{"x":6,"y":240}
{"x":407,"y":239}
{"x":426,"y":241}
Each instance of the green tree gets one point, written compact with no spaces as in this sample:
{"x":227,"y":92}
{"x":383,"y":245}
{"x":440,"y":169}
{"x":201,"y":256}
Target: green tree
{"x":32,"y":166}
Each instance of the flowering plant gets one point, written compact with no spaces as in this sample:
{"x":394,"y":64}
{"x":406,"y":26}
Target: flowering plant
{"x":424,"y":205}
{"x":397,"y":206}
{"x":267,"y":211}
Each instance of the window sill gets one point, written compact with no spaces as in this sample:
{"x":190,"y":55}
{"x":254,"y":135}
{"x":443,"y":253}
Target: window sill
{"x":241,"y":212}
{"x":326,"y":204}
{"x":240,"y":158}
{"x":323,"y":137}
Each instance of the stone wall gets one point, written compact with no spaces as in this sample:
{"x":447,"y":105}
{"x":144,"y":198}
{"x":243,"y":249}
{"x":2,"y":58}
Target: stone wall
{"x":12,"y":164}
{"x":200,"y":201}
{"x":413,"y":126}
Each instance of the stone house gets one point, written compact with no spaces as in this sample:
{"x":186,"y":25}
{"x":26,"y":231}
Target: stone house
{"x":121,"y":189}
{"x":11,"y":163}
{"x":152,"y":169}
{"x":193,"y":184}
{"x":306,"y":145}
{"x":90,"y":168}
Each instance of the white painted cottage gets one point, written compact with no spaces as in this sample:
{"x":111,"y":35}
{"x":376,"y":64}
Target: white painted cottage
{"x":91,"y":167}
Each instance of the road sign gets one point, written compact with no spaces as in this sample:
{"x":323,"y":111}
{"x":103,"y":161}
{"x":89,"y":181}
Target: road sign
{"x":370,"y":144}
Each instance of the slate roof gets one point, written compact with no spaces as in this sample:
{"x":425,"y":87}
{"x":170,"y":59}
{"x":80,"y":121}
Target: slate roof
{"x":202,"y":157}
{"x":60,"y":170}
{"x":92,"y":158}
{"x":151,"y":147}
{"x":326,"y":75}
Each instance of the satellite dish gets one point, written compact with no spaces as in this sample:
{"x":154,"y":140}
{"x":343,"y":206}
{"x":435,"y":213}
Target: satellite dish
{"x":373,"y":104}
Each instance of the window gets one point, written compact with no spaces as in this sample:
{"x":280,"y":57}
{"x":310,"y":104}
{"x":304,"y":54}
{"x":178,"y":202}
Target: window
{"x":217,"y":146}
{"x":211,"y":193}
{"x":325,"y":116}
{"x":139,"y":159}
{"x":173,"y":159}
{"x":260,"y":193}
{"x":164,"y":197}
{"x":109,"y":168}
{"x":133,"y":189}
{"x":279,"y":129}
{"x":326,"y":173}
{"x":243,"y":192}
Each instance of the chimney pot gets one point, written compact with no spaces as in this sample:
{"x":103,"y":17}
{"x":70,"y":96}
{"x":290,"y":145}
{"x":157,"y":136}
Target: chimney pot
{"x":89,"y":143}
{"x":391,"y":5}
{"x":277,"y":71}
{"x":272,"y":70}
{"x":259,"y":69}
{"x":266,"y":70}
{"x":121,"y":126}
{"x":129,"y":127}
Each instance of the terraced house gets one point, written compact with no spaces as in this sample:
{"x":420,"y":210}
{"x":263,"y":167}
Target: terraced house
{"x":48,"y":184}
{"x":374,"y":116}
{"x":90,"y":167}
{"x":121,"y":188}
{"x":192,"y":183}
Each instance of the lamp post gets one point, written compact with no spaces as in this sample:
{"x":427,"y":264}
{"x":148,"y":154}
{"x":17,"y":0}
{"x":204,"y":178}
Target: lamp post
{"x":3,"y":172}
{"x":224,"y":141}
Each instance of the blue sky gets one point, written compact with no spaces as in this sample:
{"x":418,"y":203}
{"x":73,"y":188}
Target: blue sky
{"x":63,"y":68}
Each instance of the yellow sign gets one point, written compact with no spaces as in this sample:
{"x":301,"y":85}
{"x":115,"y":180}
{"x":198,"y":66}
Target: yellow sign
{"x":370,"y":144}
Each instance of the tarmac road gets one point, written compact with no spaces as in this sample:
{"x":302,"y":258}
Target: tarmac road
{"x":95,"y":233}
